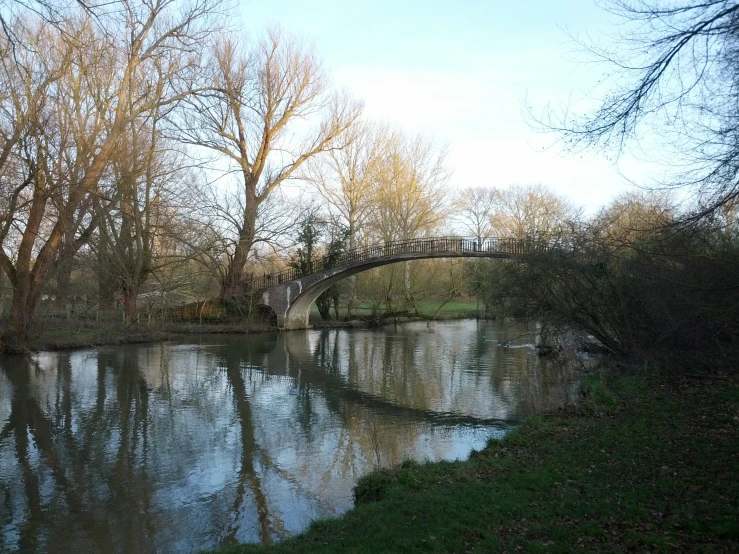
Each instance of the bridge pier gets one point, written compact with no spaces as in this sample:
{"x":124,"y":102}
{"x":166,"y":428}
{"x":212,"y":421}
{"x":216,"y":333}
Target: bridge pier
{"x":292,"y":301}
{"x":278,"y":298}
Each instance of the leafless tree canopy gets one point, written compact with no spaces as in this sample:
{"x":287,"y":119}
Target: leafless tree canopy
{"x":266,"y":108}
{"x":675,"y":69}
{"x":70,"y":95}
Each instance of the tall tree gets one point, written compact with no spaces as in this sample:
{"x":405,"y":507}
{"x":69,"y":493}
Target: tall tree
{"x":474,"y":208}
{"x":531,"y":211}
{"x":255,"y":116}
{"x":39,"y":167}
{"x":138,"y":214}
{"x":410,"y":194}
{"x":345,"y":178}
{"x":107,"y":56}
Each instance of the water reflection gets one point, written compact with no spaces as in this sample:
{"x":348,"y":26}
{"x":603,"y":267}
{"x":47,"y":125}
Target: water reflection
{"x":179,"y":447}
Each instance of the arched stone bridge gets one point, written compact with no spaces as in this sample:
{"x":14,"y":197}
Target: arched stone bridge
{"x":291,"y":294}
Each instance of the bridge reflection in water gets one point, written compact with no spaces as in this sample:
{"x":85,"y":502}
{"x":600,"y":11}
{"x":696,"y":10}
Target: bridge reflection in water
{"x":179,"y":447}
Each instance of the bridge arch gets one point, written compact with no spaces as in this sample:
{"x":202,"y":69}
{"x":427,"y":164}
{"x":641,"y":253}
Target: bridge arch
{"x":291,"y":296}
{"x":298,"y":313}
{"x":266,"y":314}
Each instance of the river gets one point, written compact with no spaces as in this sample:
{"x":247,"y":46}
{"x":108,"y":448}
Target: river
{"x":213,"y":440}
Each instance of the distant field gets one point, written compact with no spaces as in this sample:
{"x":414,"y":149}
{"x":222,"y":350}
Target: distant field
{"x":426,"y":308}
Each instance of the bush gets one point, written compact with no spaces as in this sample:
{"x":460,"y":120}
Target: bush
{"x":664,"y":294}
{"x":373,"y":486}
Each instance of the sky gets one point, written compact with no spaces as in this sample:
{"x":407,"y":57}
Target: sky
{"x":462,"y":72}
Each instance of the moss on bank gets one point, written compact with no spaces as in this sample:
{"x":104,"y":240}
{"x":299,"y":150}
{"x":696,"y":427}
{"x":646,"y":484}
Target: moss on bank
{"x":650,"y":464}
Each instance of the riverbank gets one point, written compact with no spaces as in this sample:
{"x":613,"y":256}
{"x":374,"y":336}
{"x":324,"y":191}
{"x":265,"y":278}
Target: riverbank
{"x":62,"y":335}
{"x":648,"y":463}
{"x":69,"y":338}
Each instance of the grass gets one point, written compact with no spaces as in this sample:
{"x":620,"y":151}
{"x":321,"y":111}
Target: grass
{"x":75,"y":336}
{"x":426,"y":309}
{"x":58,"y":335}
{"x":457,"y":308}
{"x":648,"y":464}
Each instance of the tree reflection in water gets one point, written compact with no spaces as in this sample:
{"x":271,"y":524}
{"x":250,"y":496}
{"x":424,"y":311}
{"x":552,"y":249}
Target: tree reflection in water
{"x":182,"y":447}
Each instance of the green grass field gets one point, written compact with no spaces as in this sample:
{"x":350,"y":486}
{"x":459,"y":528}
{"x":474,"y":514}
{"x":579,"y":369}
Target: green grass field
{"x":426,"y":308}
{"x":649,"y":464}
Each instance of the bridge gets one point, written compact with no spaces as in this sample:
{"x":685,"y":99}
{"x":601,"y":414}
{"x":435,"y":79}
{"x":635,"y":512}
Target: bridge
{"x":291,"y":293}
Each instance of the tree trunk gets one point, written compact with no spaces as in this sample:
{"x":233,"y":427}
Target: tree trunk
{"x":63,"y":277}
{"x":324,"y":308}
{"x":28,"y":276}
{"x":352,"y":296}
{"x":323,"y":302}
{"x":353,"y":279}
{"x":409,"y":300}
{"x":25,"y":298}
{"x":232,"y":284}
{"x":106,"y":281}
{"x":335,"y":300}
{"x":131,"y":305}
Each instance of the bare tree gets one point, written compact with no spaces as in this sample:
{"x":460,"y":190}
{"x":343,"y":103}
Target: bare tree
{"x":345,"y":178}
{"x":139,"y":208}
{"x":531,"y":211}
{"x":632,"y":215}
{"x":255,"y":115}
{"x":676,"y":73}
{"x":410,"y":194}
{"x":106,"y":91}
{"x":474,"y":208}
{"x":42,"y":203}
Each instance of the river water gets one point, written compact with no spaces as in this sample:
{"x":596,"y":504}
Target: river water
{"x":215,"y":440}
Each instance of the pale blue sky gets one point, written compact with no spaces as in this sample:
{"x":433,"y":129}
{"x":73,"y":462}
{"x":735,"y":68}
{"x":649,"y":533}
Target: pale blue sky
{"x":460,"y":72}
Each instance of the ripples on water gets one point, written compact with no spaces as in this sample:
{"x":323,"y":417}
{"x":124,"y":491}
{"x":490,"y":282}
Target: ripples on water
{"x":178,"y":447}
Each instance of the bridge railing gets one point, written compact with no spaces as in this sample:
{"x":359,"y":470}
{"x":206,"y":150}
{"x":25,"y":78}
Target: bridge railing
{"x":430,"y":245}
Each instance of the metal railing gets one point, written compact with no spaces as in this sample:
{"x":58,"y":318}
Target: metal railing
{"x":431,"y":245}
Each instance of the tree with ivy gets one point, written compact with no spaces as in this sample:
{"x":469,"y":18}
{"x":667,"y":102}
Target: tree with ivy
{"x":330,"y":297}
{"x":307,"y":240}
{"x":305,"y":258}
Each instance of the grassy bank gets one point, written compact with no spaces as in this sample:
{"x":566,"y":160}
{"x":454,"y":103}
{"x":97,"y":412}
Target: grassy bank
{"x":75,"y":336}
{"x":425,"y":309}
{"x":56,"y":334}
{"x":648,"y":464}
